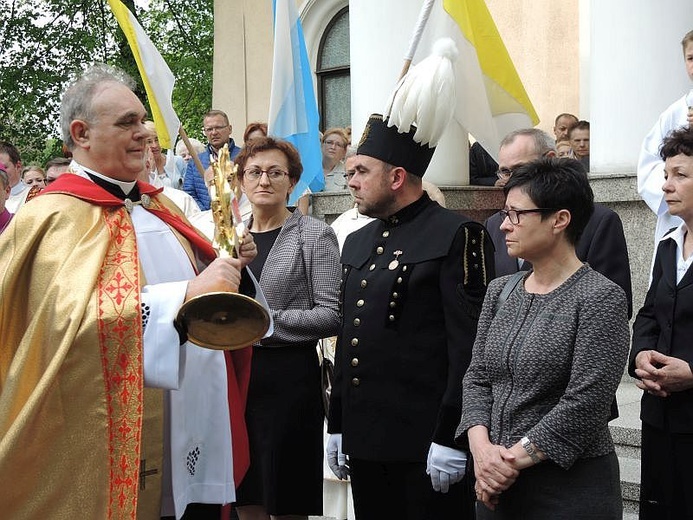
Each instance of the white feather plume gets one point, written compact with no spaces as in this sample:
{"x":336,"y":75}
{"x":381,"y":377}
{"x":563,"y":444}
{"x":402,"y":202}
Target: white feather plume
{"x":425,"y":96}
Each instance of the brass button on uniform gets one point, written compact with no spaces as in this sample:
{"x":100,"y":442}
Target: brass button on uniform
{"x":392,"y":304}
{"x":354,"y":342}
{"x":386,"y":234}
{"x":391,"y":317}
{"x":404,"y":268}
{"x":372,"y":267}
{"x":357,"y":322}
{"x":363,"y":284}
{"x":379,"y":250}
{"x":399,"y":280}
{"x":395,"y":295}
{"x":360,"y":303}
{"x":355,"y":362}
{"x":356,"y":381}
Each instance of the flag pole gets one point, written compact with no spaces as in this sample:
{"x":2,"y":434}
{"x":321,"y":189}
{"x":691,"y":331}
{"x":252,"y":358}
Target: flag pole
{"x":191,"y":150}
{"x":416,"y":35}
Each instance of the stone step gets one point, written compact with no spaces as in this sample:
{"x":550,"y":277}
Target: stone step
{"x":630,"y":477}
{"x":624,"y":436}
{"x":626,"y":432}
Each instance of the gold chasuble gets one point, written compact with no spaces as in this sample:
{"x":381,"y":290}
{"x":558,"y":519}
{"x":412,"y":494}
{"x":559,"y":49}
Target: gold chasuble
{"x":71,"y":373}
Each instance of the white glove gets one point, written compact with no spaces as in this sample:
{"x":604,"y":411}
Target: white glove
{"x":446,"y":466}
{"x":336,"y":459}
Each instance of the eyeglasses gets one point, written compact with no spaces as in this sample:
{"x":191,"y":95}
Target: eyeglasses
{"x":514,"y":214}
{"x":349,"y":174}
{"x":330,"y":142}
{"x":210,"y":129}
{"x":273,"y":174}
{"x":502,"y":173}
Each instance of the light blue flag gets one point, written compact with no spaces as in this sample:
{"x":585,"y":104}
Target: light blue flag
{"x":293,"y":114}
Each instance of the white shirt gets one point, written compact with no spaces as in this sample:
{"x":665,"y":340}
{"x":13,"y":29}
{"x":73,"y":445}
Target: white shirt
{"x":651,"y":166}
{"x":682,"y":264}
{"x":17,"y":197}
{"x":348,"y":222}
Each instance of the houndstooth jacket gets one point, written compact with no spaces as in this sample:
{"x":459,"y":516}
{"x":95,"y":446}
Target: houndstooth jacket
{"x":301,"y":282}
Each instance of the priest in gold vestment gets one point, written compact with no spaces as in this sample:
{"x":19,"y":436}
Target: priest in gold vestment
{"x":92,"y":273}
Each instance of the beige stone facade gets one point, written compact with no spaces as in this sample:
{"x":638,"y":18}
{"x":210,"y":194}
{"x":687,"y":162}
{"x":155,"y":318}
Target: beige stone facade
{"x":542,"y":37}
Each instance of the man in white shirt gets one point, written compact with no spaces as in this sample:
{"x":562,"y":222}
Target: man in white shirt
{"x":650,"y":164}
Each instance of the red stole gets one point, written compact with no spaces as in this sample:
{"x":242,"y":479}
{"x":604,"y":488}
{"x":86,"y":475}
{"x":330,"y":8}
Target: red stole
{"x":237,"y":362}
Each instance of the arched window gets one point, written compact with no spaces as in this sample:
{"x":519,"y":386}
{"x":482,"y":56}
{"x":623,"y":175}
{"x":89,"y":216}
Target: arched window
{"x":334,"y":81}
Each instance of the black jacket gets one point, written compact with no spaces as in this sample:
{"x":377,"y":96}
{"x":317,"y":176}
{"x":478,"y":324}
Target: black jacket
{"x":412,"y":289}
{"x":665,"y":324}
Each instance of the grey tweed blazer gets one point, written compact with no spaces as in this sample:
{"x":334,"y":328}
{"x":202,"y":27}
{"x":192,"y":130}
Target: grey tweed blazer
{"x":300,"y":280}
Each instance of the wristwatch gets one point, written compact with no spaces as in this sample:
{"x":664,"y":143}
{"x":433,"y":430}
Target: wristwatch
{"x":527,"y":445}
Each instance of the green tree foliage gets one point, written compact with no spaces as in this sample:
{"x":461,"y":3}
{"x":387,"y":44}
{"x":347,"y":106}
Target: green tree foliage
{"x":46,"y":42}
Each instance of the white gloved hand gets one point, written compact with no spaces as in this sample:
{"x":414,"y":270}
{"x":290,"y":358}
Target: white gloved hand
{"x":336,"y":459}
{"x":446,"y":466}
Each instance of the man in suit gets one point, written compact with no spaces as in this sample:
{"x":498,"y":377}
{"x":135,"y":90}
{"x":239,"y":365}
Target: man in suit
{"x":602,"y":244}
{"x":412,"y":284}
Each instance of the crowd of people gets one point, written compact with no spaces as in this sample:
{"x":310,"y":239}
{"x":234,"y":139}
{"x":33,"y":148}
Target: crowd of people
{"x":476,"y":365}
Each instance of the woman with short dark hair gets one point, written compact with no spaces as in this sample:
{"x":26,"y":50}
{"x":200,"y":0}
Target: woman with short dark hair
{"x":662,"y":353}
{"x":298,"y":269}
{"x":546,"y":362}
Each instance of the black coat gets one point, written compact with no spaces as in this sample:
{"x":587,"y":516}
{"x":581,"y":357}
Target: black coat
{"x":602,"y":245}
{"x":411,"y":293}
{"x":665,"y":324}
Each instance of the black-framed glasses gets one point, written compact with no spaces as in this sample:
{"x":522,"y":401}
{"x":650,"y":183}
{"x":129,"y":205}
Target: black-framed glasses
{"x":514,"y":214}
{"x":273,"y":174}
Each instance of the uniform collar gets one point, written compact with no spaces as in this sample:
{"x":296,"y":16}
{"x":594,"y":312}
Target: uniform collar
{"x":409,"y":212}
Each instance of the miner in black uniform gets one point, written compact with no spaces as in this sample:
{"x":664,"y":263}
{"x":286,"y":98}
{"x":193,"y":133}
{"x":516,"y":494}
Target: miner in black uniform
{"x":413,"y":282}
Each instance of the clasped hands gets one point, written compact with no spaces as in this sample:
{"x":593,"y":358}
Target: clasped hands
{"x":495,"y":468}
{"x":660,"y":375}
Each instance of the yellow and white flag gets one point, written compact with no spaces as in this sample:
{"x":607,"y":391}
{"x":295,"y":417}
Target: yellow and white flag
{"x":156,"y":75}
{"x":490,"y":98}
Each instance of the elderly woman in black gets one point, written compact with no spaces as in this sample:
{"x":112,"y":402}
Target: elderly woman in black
{"x":298,"y":269}
{"x":546,"y":362}
{"x":662,"y":353}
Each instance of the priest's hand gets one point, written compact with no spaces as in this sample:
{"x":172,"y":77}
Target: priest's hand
{"x":222,"y":275}
{"x":248,"y":250}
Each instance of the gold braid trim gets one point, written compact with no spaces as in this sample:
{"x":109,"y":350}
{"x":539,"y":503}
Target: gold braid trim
{"x":464,"y":254}
{"x":120,"y":341}
{"x":474,"y":247}
{"x":482,"y":241}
